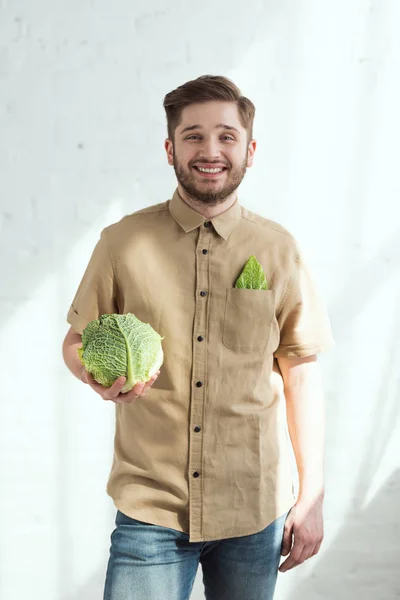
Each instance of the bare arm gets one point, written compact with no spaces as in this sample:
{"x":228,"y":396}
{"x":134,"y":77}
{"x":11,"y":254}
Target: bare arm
{"x":305,"y":415}
{"x":303,"y":389}
{"x":73,"y":341}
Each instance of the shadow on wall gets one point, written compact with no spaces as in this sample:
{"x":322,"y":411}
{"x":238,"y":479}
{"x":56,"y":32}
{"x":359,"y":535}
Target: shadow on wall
{"x":362,"y":560}
{"x":94,"y":126}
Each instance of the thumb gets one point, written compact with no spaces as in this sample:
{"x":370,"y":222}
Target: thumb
{"x":287,"y":538}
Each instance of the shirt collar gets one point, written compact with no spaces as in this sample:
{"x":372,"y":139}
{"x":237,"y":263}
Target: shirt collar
{"x":189,"y":219}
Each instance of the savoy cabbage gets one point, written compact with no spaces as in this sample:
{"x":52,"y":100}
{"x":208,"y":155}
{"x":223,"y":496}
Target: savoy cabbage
{"x":120,"y":345}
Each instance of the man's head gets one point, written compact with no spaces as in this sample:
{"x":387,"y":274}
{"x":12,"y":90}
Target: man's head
{"x":210,"y":125}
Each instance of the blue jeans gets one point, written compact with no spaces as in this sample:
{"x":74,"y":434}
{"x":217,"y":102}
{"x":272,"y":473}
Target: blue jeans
{"x":149,"y":562}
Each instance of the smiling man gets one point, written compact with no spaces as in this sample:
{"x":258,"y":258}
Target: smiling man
{"x":210,"y":180}
{"x":201,"y":469}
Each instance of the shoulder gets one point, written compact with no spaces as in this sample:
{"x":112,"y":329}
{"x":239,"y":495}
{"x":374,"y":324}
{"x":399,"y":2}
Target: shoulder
{"x":127,"y":224}
{"x":283,"y":240}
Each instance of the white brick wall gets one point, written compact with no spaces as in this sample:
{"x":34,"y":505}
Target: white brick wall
{"x":81,"y":144}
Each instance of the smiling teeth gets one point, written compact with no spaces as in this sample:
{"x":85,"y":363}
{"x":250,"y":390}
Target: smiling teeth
{"x":209,"y":170}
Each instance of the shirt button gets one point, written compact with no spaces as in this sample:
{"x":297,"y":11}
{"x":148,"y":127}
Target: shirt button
{"x":205,"y":251}
{"x":202,"y":293}
{"x":199,"y":383}
{"x":207,"y":224}
{"x":197,"y":429}
{"x":200,"y":338}
{"x":196,"y":474}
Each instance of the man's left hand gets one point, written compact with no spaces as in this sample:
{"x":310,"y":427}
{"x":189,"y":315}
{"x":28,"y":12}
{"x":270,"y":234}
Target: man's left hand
{"x":304,"y":523}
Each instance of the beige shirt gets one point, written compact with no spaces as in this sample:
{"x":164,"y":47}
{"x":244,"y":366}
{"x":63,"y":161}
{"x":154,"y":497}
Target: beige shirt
{"x":205,"y":451}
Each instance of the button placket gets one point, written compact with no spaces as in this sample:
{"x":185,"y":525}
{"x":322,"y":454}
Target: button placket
{"x":199,"y":378}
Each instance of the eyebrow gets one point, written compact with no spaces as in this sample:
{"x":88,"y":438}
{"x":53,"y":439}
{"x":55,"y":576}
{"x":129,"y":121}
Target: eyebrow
{"x":221,"y":125}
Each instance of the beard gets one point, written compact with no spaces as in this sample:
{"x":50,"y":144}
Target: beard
{"x":209,"y":192}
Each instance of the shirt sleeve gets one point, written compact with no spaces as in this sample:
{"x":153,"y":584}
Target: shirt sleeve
{"x":302,"y":317}
{"x":97,"y":292}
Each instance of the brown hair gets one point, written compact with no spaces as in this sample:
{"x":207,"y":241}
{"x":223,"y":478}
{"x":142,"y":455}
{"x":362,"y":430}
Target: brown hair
{"x":204,"y":89}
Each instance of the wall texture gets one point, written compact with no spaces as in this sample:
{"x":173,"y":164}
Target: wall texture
{"x":81,"y":144}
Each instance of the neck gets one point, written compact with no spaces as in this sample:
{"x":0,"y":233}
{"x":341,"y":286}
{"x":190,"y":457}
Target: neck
{"x":208,"y":211}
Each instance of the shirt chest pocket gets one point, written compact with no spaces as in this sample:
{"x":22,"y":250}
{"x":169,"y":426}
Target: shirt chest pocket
{"x":247,"y":319}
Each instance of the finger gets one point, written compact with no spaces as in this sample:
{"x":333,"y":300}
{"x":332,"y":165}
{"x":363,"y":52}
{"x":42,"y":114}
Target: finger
{"x":293,"y":557}
{"x":139,"y":389}
{"x":311,"y":551}
{"x":289,"y":563}
{"x":307,"y":552}
{"x":115,"y":390}
{"x":316,"y":548}
{"x":117,"y":386}
{"x":149,"y":383}
{"x":93,"y":383}
{"x":107,"y":393}
{"x":132,"y":395}
{"x":111,"y":392}
{"x":287,"y":538}
{"x":143,"y":386}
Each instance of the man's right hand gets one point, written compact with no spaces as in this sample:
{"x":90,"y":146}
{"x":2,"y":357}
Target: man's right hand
{"x":113,"y":393}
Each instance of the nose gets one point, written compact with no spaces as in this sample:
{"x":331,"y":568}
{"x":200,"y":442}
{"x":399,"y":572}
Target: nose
{"x":211,"y":149}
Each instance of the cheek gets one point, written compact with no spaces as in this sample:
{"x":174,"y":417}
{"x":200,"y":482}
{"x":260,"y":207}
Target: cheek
{"x":237,"y":155}
{"x":184,"y":158}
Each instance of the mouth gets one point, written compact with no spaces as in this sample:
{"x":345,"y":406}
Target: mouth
{"x":215,"y":173}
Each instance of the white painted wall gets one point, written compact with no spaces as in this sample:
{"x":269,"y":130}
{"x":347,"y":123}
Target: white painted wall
{"x":81,"y":144}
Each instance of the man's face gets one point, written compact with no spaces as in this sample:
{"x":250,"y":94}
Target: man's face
{"x":207,"y":144}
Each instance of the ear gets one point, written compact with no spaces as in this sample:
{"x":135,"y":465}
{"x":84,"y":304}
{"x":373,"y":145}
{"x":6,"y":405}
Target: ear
{"x":250,"y":152}
{"x":169,"y":148}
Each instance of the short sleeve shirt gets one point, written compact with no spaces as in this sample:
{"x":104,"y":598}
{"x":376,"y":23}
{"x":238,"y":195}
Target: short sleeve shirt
{"x":205,"y":451}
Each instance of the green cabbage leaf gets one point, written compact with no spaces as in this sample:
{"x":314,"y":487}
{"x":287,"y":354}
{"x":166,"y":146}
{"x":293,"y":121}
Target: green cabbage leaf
{"x":252,"y":277}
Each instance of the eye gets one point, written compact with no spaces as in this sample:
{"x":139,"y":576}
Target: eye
{"x":197,"y":136}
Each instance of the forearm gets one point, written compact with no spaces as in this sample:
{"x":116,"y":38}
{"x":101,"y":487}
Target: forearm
{"x":305,"y":416}
{"x":70,"y":355}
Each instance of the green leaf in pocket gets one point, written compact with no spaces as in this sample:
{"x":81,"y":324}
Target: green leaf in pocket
{"x":252,"y":277}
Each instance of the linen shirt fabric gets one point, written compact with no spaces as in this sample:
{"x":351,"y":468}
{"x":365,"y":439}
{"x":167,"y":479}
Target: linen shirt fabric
{"x":206,"y":450}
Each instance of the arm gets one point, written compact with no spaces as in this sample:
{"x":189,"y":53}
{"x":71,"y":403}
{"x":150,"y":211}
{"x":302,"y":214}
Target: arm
{"x":305,"y":415}
{"x":302,"y":383}
{"x":73,"y":341}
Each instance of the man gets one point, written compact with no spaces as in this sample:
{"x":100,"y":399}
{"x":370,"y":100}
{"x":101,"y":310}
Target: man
{"x":201,"y":469}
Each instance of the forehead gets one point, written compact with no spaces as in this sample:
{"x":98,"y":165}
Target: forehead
{"x":210,"y":114}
